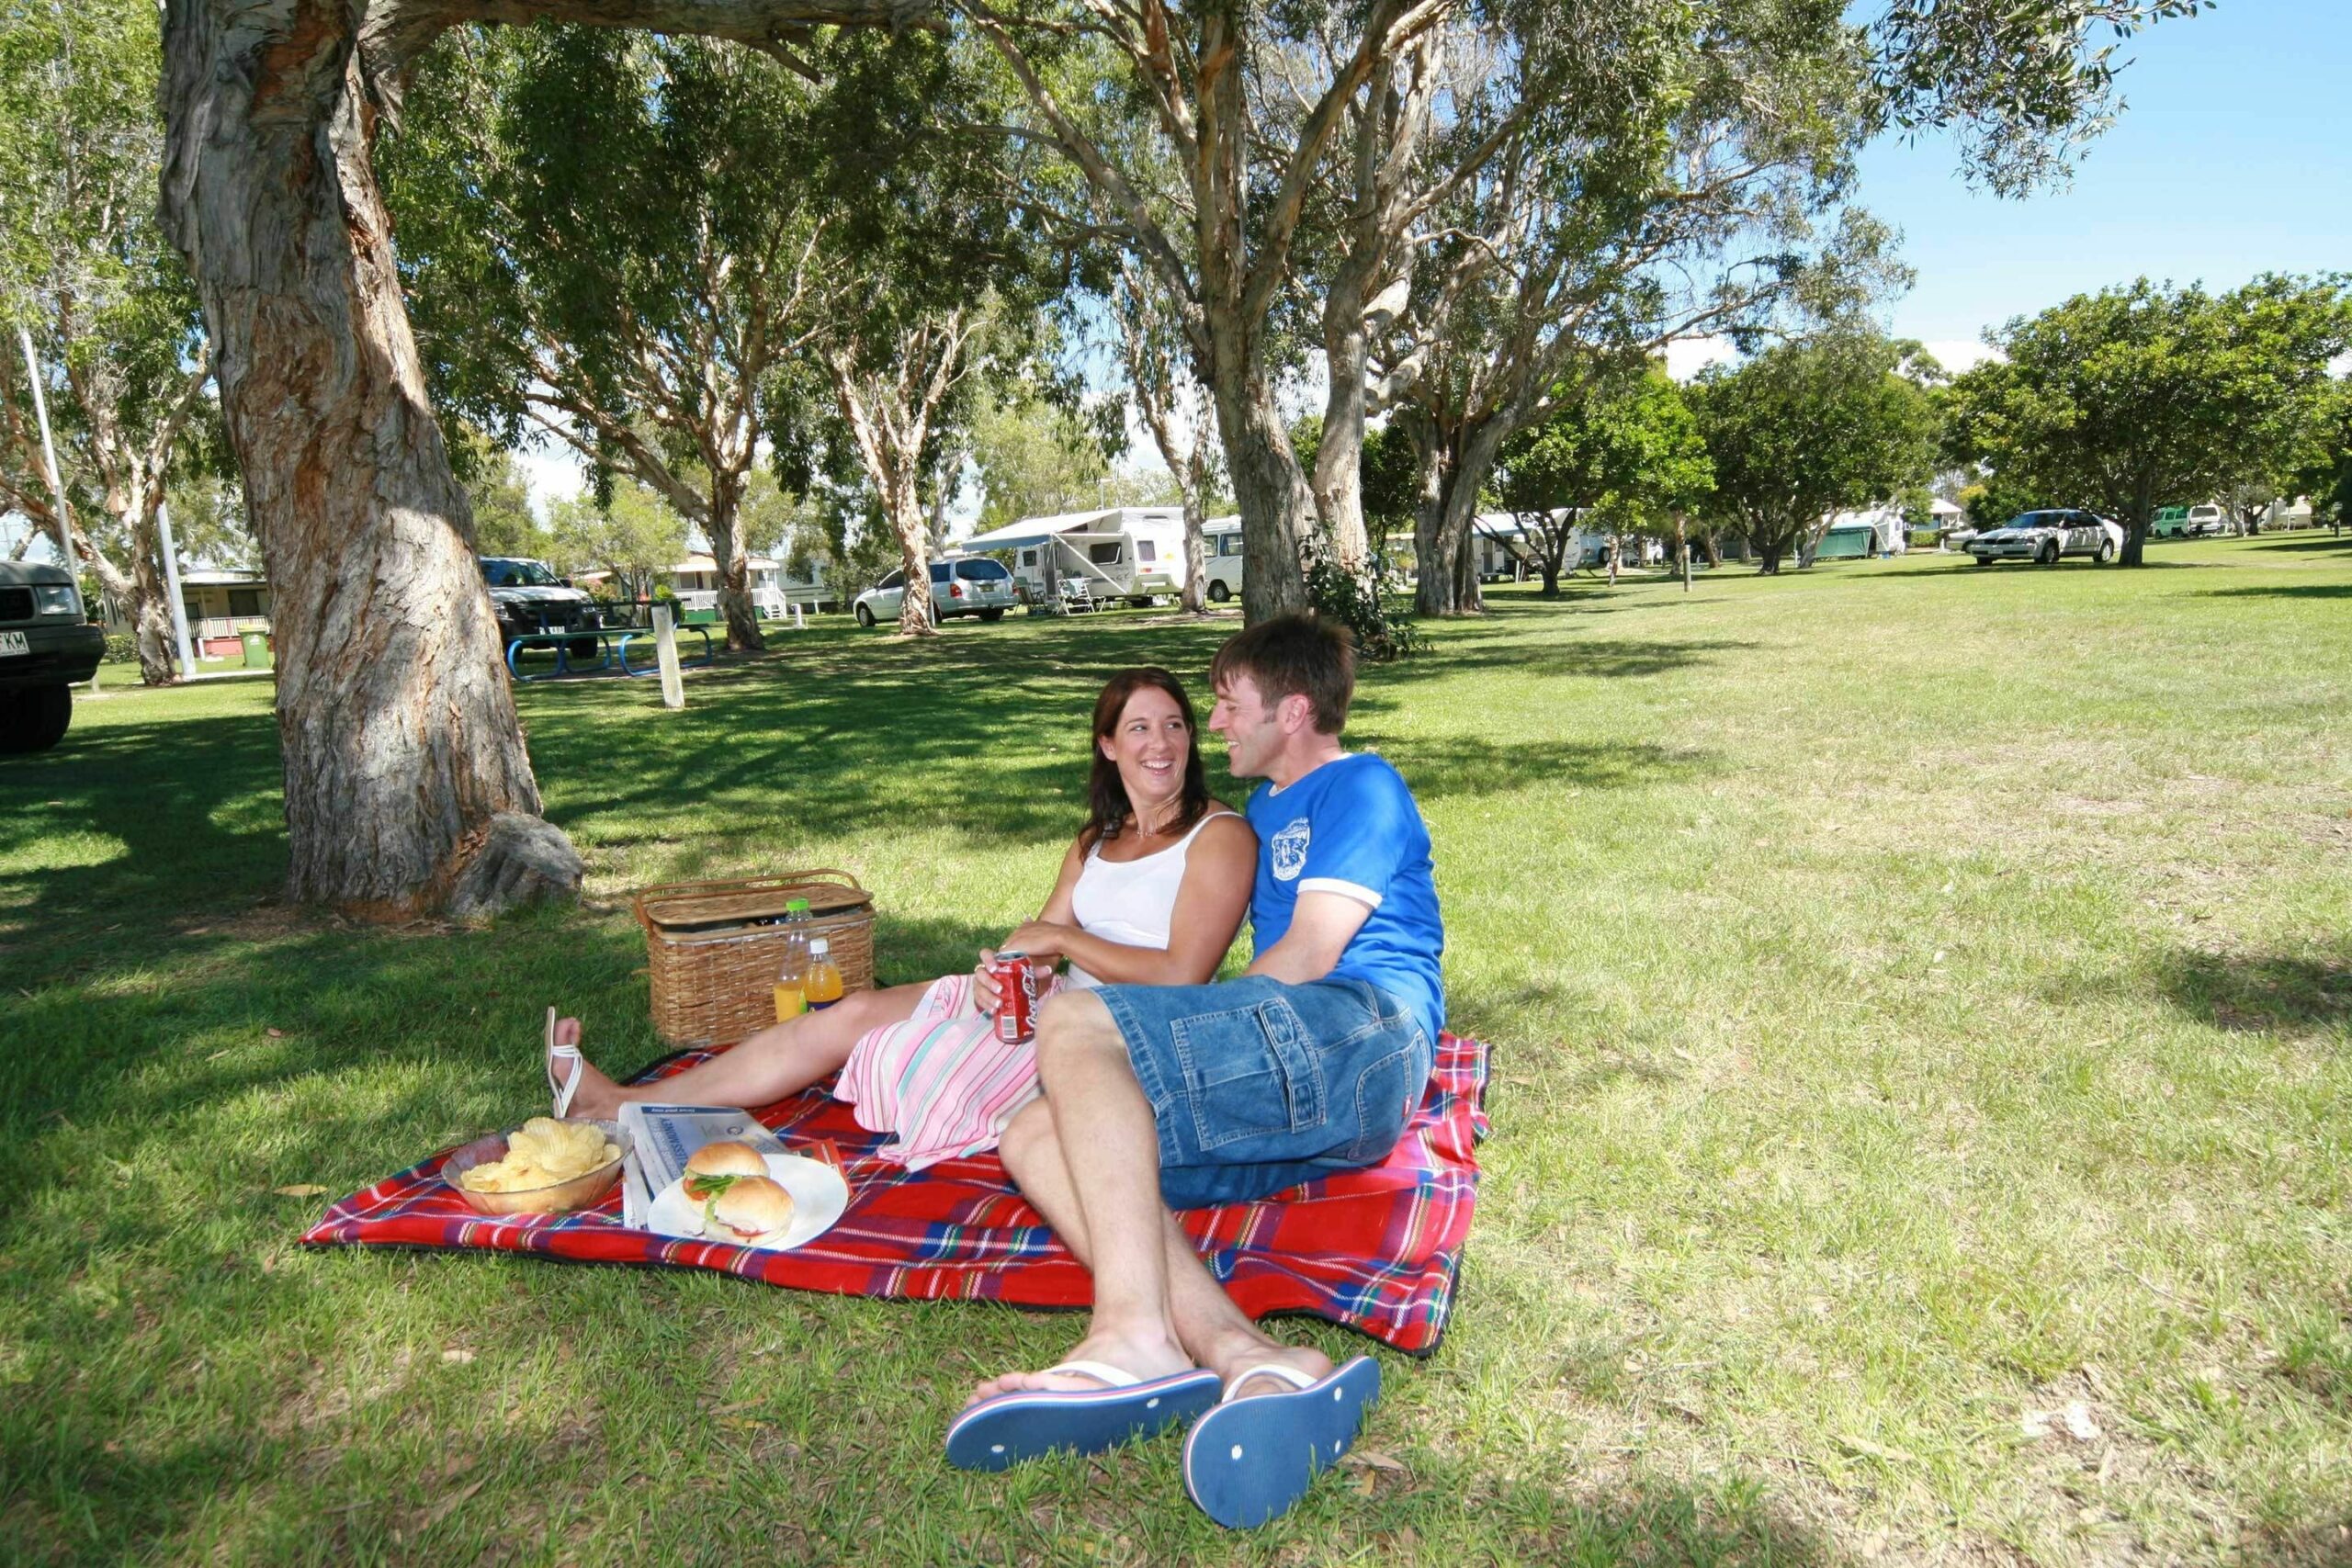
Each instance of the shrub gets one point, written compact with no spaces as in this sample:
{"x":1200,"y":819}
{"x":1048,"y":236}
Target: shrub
{"x":1382,"y":634}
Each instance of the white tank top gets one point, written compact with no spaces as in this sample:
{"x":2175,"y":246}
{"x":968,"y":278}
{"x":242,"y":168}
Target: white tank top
{"x":1131,"y":902}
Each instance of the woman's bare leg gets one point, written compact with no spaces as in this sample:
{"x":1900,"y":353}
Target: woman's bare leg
{"x":781,"y":1059}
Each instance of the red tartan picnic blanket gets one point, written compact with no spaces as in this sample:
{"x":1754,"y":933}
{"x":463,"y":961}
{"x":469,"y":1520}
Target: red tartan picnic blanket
{"x":1376,"y":1249}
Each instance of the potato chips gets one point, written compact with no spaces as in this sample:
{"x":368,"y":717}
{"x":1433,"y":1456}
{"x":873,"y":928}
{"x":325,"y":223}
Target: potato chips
{"x":542,"y":1153}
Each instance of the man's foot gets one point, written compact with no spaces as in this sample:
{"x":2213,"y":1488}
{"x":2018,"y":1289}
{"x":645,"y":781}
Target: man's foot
{"x":1141,"y":1360}
{"x":1110,"y":1406}
{"x":1243,"y":1370}
{"x":1253,"y":1457}
{"x":579,"y":1089}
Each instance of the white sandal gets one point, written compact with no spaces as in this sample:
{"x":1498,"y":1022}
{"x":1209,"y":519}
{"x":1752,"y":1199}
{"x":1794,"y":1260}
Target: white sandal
{"x":565,"y":1088}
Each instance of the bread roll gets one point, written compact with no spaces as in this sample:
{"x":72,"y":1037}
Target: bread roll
{"x":752,"y":1212}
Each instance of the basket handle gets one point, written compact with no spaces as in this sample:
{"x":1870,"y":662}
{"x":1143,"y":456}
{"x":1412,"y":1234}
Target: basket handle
{"x":740,"y":884}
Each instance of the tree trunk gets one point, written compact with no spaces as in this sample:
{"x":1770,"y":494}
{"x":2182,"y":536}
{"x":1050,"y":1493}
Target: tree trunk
{"x":2135,"y":539}
{"x":1267,"y":488}
{"x":912,"y":527}
{"x":407,"y":786}
{"x":1768,"y":560}
{"x":1338,"y":480}
{"x":1449,"y":508}
{"x":734,"y":572}
{"x":150,"y":614}
{"x":1195,"y":481}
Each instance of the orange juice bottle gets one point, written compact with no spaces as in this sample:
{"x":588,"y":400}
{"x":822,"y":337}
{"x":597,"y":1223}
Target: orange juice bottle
{"x":823,"y":984}
{"x":792,"y":976}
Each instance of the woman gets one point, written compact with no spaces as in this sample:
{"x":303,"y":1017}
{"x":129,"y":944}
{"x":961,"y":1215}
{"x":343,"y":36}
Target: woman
{"x":1151,"y":892}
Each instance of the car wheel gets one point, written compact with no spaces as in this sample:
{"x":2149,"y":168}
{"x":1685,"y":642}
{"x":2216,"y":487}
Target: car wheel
{"x":991,"y":614}
{"x":1982,"y":560}
{"x":2107,"y":552}
{"x":2049,"y":556}
{"x":34,"y":719}
{"x":582,"y":648}
{"x":866,"y":618}
{"x":1219,"y":592}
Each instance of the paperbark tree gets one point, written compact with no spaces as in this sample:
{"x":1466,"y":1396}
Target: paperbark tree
{"x":1176,"y":410}
{"x":407,"y":785}
{"x":1244,"y":119}
{"x":603,"y":244}
{"x":83,"y":270}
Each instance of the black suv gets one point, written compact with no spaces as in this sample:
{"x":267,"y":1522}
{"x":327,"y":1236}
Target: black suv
{"x":530,"y":598}
{"x":47,"y":644}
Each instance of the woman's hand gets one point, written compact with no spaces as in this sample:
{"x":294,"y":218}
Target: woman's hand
{"x":1040,"y":940}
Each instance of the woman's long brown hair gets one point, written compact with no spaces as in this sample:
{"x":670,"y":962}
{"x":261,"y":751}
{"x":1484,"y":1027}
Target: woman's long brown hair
{"x":1107,"y":806}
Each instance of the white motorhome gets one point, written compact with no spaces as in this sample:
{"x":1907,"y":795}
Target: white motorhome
{"x":1221,"y":557}
{"x":1135,"y":553}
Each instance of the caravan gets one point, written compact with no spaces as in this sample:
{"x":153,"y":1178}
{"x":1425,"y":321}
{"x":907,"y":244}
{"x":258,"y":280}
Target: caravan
{"x":1135,"y":553}
{"x":1221,"y":558}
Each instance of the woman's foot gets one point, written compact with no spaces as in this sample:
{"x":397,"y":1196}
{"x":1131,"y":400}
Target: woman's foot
{"x":581,"y":1091}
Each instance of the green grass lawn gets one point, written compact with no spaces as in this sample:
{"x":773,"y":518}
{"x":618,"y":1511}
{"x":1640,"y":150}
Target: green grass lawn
{"x":1920,"y":999}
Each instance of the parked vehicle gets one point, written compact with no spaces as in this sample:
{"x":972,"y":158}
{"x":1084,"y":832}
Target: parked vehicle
{"x":1221,"y":558}
{"x":531,"y":599}
{"x":1135,"y":553}
{"x":46,"y":645}
{"x":2044,"y":536}
{"x":2206,"y":520}
{"x":970,"y":585}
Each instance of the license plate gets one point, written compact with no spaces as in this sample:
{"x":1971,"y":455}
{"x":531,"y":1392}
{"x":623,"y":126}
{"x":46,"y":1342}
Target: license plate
{"x":13,"y":642}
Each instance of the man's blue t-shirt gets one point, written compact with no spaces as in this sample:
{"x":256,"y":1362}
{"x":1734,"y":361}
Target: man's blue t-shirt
{"x":1350,"y":828}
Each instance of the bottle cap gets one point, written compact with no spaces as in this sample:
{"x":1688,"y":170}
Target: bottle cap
{"x":796,"y":906}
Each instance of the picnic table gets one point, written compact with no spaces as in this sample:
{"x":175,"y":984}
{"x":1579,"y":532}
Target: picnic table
{"x":612,"y":650}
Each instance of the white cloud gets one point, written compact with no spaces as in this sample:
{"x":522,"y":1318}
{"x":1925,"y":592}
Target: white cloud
{"x":1685,"y":357}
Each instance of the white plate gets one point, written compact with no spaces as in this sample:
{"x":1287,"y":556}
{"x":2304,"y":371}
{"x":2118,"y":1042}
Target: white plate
{"x":819,"y":1196}
{"x":15,"y":642}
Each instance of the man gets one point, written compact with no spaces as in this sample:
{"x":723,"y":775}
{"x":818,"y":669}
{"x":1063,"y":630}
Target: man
{"x":1187,"y":1095}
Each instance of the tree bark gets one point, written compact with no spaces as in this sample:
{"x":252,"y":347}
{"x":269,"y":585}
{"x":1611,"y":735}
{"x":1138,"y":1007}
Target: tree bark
{"x":398,"y":726}
{"x":1269,"y":489}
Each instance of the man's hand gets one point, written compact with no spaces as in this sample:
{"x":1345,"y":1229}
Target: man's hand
{"x":1320,"y":928}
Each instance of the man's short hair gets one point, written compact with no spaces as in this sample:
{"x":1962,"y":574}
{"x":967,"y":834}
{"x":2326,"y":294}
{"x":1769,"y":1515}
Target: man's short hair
{"x":1294,"y":655}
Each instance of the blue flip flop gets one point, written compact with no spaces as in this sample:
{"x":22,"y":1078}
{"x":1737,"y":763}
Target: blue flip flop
{"x":1249,"y":1461}
{"x":1014,"y":1427}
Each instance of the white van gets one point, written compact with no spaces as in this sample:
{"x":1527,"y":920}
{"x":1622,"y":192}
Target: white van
{"x":1135,"y":553}
{"x":1221,"y":558}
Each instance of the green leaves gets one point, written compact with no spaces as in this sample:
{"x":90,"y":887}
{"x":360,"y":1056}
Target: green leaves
{"x":2145,"y":395}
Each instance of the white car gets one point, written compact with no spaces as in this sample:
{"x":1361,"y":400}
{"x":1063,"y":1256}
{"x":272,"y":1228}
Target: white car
{"x":2206,"y":520}
{"x":2043,"y":536}
{"x":971,"y":585}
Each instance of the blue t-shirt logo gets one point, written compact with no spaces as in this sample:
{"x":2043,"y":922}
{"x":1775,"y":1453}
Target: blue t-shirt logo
{"x":1289,"y":849}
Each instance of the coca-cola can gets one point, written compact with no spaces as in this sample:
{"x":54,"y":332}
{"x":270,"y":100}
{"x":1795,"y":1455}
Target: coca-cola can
{"x":1016,"y":997}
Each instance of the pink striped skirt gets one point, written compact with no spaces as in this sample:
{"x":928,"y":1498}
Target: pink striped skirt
{"x":941,"y":1081}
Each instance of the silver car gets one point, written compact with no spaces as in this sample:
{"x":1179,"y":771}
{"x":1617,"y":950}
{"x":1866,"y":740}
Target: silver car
{"x":973,"y":585}
{"x":2044,"y":536}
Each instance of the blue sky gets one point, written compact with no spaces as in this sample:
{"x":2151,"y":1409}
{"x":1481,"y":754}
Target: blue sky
{"x":2233,"y":156}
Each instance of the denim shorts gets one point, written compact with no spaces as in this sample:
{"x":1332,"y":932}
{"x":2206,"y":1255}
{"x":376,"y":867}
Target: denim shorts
{"x":1256,"y":1084}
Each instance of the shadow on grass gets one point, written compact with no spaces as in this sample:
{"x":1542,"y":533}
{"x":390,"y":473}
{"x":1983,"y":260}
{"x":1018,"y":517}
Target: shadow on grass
{"x":2284,"y":591}
{"x":2256,"y":993}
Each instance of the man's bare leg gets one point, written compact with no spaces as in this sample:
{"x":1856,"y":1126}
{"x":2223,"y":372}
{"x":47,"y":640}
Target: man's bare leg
{"x":1211,"y":1330}
{"x":1110,"y":1193}
{"x":781,"y":1059}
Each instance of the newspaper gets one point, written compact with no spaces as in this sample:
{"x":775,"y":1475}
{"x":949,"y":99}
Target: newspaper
{"x":661,"y":1137}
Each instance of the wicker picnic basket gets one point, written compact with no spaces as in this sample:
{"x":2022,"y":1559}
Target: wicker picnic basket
{"x":713,"y":948}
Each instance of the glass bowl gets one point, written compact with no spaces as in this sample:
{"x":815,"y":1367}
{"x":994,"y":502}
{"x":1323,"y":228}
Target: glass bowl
{"x":579,"y":1192}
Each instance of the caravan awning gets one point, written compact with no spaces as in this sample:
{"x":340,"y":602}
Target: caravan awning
{"x":1018,"y":536}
